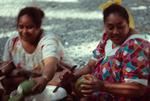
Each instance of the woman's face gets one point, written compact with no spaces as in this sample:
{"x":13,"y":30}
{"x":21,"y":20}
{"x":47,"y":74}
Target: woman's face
{"x":27,"y":29}
{"x":117,"y":28}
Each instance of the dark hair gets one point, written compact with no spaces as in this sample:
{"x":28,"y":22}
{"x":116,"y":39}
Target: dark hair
{"x":118,"y":9}
{"x":35,"y":13}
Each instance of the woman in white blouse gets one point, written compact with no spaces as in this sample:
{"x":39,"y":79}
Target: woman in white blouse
{"x":34,"y":50}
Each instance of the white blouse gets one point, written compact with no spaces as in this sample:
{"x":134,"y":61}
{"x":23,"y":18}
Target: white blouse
{"x":48,"y":46}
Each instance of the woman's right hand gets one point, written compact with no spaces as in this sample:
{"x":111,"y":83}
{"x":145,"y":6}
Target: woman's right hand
{"x":11,"y":83}
{"x":6,"y":67}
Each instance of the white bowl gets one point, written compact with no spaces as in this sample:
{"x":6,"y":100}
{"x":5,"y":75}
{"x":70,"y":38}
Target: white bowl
{"x":48,"y":95}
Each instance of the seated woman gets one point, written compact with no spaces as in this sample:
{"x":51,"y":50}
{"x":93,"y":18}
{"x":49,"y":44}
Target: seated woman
{"x":120,"y":66}
{"x":34,"y":50}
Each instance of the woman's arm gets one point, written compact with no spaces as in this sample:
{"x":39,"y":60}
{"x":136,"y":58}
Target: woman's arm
{"x":98,"y":54}
{"x":125,"y":89}
{"x":133,"y":89}
{"x":87,"y":69}
{"x":49,"y":69}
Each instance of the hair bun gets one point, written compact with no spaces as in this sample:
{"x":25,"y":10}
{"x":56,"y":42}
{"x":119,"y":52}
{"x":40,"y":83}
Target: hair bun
{"x":41,"y":13}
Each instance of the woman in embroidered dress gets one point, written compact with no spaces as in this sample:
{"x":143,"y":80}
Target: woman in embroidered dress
{"x":35,"y":50}
{"x":120,"y":65}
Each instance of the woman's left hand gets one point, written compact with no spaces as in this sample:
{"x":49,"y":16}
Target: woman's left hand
{"x":40,"y":85}
{"x":90,"y":85}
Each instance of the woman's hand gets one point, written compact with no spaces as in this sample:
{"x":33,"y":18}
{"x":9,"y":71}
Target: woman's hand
{"x":66,"y":74}
{"x":11,"y":83}
{"x":89,"y":85}
{"x":25,"y":73}
{"x":6,"y":67}
{"x":18,"y":72}
{"x":40,"y":85}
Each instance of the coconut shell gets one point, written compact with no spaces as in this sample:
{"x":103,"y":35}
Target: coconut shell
{"x":26,"y":86}
{"x":80,"y":81}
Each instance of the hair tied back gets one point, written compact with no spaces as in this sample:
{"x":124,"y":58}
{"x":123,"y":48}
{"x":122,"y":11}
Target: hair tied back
{"x":105,"y":5}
